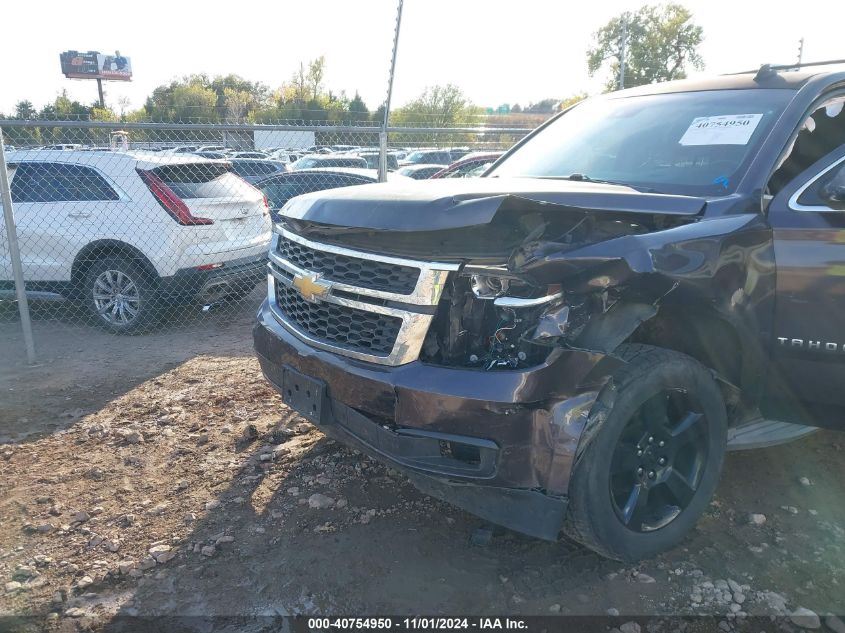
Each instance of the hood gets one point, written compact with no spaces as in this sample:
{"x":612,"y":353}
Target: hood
{"x":462,"y":218}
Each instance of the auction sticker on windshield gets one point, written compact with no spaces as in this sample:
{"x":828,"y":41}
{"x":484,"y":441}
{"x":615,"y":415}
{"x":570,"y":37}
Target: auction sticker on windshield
{"x":728,"y":129}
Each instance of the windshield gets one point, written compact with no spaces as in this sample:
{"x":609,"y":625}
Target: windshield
{"x":693,"y":143}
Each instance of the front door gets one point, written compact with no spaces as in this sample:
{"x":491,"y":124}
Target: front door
{"x":807,"y":382}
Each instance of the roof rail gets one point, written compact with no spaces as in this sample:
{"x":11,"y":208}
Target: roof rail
{"x":767,"y":69}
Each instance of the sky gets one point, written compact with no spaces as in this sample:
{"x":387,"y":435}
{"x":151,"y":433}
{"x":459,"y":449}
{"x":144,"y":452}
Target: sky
{"x":497,"y":51}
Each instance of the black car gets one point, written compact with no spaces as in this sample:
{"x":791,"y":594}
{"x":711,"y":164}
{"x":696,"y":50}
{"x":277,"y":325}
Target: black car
{"x":571,"y":343}
{"x":372,"y":159}
{"x":254,"y":169}
{"x":280,"y":188}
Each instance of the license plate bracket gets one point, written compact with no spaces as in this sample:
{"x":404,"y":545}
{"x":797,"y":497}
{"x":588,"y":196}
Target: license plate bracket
{"x":305,"y":395}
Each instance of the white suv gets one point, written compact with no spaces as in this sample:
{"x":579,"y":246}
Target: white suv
{"x":125,"y":233}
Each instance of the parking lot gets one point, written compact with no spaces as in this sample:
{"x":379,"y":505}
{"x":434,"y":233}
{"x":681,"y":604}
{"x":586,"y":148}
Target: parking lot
{"x":160,"y":475}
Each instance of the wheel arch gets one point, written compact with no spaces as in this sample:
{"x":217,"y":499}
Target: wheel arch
{"x":95,"y":251}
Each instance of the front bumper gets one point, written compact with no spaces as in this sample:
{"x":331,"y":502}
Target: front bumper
{"x":499,"y":444}
{"x":233,"y":277}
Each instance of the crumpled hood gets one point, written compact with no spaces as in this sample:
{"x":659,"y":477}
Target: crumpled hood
{"x":452,"y":203}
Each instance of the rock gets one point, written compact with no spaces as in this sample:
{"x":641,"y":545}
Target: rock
{"x":757,"y":519}
{"x":481,"y":536}
{"x":13,"y":586}
{"x":125,"y":566}
{"x":95,"y":540}
{"x":630,"y":627}
{"x":835,"y":624}
{"x":112,"y":546}
{"x":724,"y":626}
{"x":85,"y":581}
{"x":342,"y":503}
{"x":790,"y":509}
{"x":24,"y":572}
{"x":208,"y":550}
{"x":805,"y":482}
{"x":805,"y":618}
{"x":280,"y":451}
{"x":45,"y":528}
{"x":182,"y":485}
{"x":133,"y":437}
{"x":81,"y":517}
{"x":189,"y":518}
{"x":739,"y":598}
{"x":735,"y":608}
{"x":645,"y":579}
{"x":212,"y":505}
{"x":303,"y":428}
{"x":162,"y":553}
{"x":612,"y":612}
{"x":696,"y":597}
{"x":224,"y":539}
{"x":127,"y":520}
{"x":148,"y":563}
{"x":293,"y":491}
{"x":320,"y":501}
{"x":265,"y":457}
{"x":734,"y":586}
{"x":555,"y":608}
{"x":74,"y":612}
{"x":41,"y":560}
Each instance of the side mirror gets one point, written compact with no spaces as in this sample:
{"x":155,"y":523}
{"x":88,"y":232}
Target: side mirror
{"x":833,"y":192}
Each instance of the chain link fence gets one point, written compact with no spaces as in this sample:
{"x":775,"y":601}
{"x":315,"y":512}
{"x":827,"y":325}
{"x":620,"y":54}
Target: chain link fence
{"x":135,"y":228}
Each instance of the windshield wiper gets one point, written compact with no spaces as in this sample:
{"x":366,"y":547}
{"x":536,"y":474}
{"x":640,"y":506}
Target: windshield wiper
{"x":578,"y":177}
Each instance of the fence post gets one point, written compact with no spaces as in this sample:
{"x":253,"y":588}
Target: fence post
{"x":15,"y":254}
{"x":382,"y":139}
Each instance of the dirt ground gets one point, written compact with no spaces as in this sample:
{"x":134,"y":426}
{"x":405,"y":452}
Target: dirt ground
{"x":160,"y":475}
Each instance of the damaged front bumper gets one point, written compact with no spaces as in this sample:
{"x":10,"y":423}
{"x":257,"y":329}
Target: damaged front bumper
{"x":498,"y":444}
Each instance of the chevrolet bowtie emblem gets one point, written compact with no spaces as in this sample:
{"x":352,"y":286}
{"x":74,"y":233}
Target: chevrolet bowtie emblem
{"x":312,"y":287}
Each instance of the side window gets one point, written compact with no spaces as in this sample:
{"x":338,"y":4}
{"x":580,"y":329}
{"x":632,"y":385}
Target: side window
{"x":821,"y":133}
{"x":56,"y":182}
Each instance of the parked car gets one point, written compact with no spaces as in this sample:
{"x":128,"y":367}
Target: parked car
{"x":419,"y":172}
{"x":372,"y":159}
{"x":249,"y":155}
{"x":211,"y":148}
{"x":211,"y":155}
{"x":331,"y":160}
{"x":183,"y":149}
{"x":254,"y":169}
{"x":279,"y":189}
{"x":572,"y":342}
{"x":440,"y":157}
{"x":123,"y":233}
{"x":471,"y":165}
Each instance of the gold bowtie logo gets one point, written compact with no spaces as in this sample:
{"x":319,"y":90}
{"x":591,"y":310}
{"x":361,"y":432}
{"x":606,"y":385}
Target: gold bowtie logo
{"x":312,"y":287}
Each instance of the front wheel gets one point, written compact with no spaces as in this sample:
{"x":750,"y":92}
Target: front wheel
{"x":120,"y":295}
{"x":651,"y":455}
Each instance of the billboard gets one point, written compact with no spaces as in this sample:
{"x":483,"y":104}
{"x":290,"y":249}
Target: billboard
{"x":94,"y":65}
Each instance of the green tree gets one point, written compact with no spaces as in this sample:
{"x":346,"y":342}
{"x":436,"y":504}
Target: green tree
{"x":571,"y":101}
{"x":238,"y":104}
{"x":24,"y":110}
{"x":358,"y":109}
{"x":194,"y":102}
{"x":516,"y":109}
{"x":316,"y":71}
{"x":661,"y":42}
{"x":543,"y":107}
{"x":437,"y":106}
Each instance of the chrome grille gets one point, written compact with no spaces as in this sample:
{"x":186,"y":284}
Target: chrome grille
{"x":374,"y":313}
{"x":351,"y":270}
{"x":345,"y":327}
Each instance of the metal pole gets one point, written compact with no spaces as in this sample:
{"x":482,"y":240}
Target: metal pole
{"x":622,"y":51}
{"x":100,"y":90}
{"x":15,"y":254}
{"x":800,"y":50}
{"x":382,"y":137}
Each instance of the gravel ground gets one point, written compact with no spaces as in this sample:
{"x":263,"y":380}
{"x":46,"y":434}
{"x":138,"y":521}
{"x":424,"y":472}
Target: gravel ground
{"x":161,"y":475}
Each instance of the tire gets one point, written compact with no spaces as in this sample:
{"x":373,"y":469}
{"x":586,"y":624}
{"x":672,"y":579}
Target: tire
{"x":623,"y":502}
{"x":136,"y":308}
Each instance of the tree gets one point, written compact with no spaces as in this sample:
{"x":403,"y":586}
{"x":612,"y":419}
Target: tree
{"x":545,"y":106}
{"x":358,"y":109}
{"x":437,"y":106}
{"x":237,"y":103}
{"x":316,"y":70}
{"x":194,"y":102}
{"x":516,"y":109}
{"x":661,"y":41}
{"x":571,"y":101}
{"x":24,"y":110}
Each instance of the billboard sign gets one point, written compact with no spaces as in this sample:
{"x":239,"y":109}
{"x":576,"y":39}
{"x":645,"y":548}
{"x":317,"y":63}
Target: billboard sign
{"x":94,"y":65}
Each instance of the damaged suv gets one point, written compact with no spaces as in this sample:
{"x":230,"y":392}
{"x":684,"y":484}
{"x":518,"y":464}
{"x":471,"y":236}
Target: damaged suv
{"x":570,"y":344}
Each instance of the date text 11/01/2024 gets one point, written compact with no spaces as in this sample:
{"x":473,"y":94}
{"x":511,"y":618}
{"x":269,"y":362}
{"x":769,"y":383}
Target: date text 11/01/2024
{"x":418,"y":623}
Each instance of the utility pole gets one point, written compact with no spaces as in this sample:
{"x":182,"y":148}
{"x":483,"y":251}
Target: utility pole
{"x":800,"y":50}
{"x":622,"y":51}
{"x":100,"y":90}
{"x":382,"y":137}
